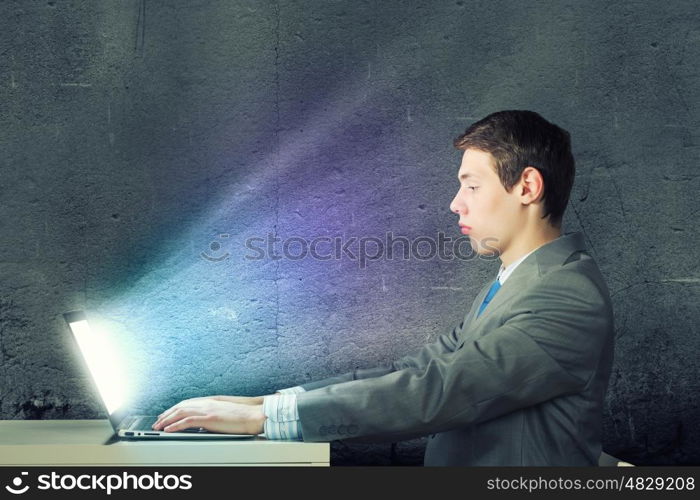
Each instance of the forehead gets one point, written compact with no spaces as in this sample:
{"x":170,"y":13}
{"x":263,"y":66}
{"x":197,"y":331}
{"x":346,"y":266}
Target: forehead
{"x":477,"y":164}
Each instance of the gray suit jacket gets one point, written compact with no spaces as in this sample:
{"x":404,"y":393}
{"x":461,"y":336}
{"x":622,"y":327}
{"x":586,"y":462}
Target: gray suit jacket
{"x":522,"y":384}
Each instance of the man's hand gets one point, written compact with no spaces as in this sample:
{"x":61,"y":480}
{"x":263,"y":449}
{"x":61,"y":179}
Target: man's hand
{"x":213,"y":415}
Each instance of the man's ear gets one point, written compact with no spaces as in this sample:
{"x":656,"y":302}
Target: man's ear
{"x":532,"y":185}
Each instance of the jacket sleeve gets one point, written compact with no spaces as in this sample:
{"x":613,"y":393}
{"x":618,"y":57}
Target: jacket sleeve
{"x":445,"y":343}
{"x":549,"y":347}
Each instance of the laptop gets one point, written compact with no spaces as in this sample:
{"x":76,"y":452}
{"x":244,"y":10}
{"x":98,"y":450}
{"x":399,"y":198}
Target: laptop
{"x":103,"y":368}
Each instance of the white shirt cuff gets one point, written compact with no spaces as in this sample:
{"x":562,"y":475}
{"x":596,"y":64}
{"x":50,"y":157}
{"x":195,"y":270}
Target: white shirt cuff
{"x":282,"y":420}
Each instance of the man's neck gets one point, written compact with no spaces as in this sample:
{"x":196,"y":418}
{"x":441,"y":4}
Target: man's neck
{"x":528,"y":243}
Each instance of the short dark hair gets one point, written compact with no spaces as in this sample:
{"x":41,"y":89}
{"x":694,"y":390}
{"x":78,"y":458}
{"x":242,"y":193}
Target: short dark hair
{"x":519,"y":138}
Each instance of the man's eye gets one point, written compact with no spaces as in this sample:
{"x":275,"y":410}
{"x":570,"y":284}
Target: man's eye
{"x":473,"y":188}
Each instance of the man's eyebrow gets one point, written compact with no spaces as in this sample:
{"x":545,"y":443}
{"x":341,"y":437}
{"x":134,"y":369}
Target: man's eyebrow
{"x":467,"y":174}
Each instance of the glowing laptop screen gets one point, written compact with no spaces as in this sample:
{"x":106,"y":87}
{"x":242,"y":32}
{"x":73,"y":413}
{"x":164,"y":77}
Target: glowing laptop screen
{"x":101,"y":359}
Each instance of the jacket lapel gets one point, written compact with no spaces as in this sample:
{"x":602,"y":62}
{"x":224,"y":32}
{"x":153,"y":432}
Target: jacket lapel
{"x":523,"y":274}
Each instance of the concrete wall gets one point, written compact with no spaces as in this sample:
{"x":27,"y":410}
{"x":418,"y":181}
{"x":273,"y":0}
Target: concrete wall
{"x":144,"y":141}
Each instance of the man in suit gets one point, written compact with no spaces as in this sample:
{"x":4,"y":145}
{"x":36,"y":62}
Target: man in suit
{"x":522,"y":379}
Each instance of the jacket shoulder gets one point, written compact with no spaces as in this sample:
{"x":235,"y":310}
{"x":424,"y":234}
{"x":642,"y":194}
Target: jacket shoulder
{"x":579,"y":271}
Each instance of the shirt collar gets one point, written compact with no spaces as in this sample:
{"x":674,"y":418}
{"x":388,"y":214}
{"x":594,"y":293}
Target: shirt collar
{"x":503,"y":273}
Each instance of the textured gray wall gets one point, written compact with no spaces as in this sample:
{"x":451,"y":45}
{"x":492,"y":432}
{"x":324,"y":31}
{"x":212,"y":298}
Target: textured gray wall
{"x":135,"y":133}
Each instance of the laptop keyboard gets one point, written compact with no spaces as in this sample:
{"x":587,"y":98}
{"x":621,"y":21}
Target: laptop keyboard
{"x":140,"y":423}
{"x":145,"y":423}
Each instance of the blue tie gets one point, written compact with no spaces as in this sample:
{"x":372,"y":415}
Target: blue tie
{"x":492,"y":291}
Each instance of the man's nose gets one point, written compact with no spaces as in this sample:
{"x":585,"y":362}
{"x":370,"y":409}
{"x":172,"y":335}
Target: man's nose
{"x":454,"y":206}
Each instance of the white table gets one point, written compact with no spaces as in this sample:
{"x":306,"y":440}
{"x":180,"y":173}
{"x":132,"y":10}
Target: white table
{"x":91,"y":442}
